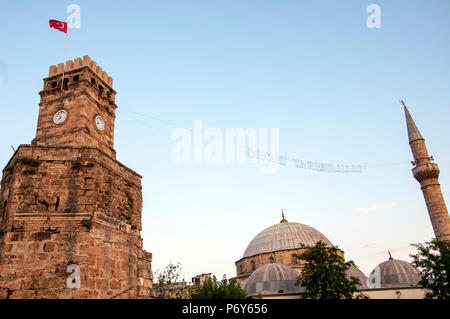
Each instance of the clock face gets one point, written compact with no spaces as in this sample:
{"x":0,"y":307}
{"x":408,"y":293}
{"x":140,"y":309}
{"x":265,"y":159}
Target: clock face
{"x":99,"y":123}
{"x":60,"y":117}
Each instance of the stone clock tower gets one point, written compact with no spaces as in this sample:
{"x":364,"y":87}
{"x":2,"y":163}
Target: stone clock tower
{"x":81,"y":116}
{"x":70,"y":213}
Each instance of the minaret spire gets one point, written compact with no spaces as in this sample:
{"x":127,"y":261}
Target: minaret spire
{"x":427,"y":173}
{"x":413,"y":131}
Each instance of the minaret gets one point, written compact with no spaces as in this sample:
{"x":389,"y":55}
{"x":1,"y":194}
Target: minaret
{"x":427,"y":173}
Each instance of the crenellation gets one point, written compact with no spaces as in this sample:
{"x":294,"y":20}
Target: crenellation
{"x":99,"y":71}
{"x":59,"y":68}
{"x":52,"y":70}
{"x":69,"y":66}
{"x":93,"y":66}
{"x":79,"y":63}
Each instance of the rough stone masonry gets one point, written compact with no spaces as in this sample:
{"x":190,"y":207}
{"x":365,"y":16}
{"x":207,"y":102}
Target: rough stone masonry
{"x":66,"y":200}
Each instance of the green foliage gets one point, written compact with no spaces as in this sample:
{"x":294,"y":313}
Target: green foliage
{"x":214,"y":289}
{"x":433,"y":259}
{"x":324,"y":275}
{"x":165,"y":280}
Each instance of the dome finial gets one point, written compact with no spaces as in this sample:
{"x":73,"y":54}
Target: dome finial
{"x":283,"y":220}
{"x":390,"y":256}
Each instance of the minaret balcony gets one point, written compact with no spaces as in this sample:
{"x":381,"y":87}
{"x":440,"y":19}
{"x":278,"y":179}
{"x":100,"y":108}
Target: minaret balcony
{"x":425,"y":171}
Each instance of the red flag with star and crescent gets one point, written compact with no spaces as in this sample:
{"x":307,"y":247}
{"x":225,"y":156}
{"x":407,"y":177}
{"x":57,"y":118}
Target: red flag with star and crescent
{"x":58,"y":25}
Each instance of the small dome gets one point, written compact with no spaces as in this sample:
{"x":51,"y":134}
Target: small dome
{"x":283,"y":236}
{"x":394,"y":273}
{"x":354,"y":271}
{"x":272,"y":278}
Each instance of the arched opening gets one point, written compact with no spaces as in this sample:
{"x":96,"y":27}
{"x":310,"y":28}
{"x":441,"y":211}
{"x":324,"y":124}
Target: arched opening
{"x":253,"y":265}
{"x":65,"y":83}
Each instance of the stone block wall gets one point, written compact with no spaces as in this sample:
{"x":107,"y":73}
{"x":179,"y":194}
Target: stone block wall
{"x":66,"y":205}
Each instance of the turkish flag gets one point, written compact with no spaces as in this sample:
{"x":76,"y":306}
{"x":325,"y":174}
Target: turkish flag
{"x":59,"y":25}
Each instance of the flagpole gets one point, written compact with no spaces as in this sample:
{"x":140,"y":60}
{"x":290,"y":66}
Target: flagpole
{"x":65,"y":58}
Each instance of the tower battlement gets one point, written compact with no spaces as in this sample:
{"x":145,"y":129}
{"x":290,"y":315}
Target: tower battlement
{"x":79,"y":63}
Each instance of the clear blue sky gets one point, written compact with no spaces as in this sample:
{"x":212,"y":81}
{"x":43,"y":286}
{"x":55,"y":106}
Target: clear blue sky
{"x":312,"y":69}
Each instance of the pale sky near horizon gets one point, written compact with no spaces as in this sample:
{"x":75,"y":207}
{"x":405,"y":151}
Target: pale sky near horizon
{"x":311,"y":69}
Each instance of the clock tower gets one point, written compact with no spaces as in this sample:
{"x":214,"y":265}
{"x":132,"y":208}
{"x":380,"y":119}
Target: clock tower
{"x":78,"y":110}
{"x":70,"y":213}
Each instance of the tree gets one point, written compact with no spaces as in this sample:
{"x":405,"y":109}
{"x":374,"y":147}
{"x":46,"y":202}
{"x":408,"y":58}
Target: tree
{"x":214,"y":289}
{"x":165,"y":280}
{"x":324,"y":274}
{"x":433,"y":260}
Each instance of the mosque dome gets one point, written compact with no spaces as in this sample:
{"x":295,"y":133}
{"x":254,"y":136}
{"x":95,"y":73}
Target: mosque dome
{"x":284,"y":235}
{"x":273,"y":278}
{"x":354,"y":271}
{"x":394,"y":273}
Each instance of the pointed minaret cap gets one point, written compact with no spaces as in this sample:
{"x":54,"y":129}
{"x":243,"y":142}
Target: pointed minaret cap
{"x":413,"y":131}
{"x":283,"y":220}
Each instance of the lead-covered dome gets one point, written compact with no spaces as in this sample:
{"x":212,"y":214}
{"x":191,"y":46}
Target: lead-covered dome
{"x":394,"y":273}
{"x":273,"y":278}
{"x":354,"y":271}
{"x":284,"y":236}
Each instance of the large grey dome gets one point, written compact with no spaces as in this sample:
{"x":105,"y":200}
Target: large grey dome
{"x":354,"y":271}
{"x":394,"y":273}
{"x":284,"y":236}
{"x":273,"y":278}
